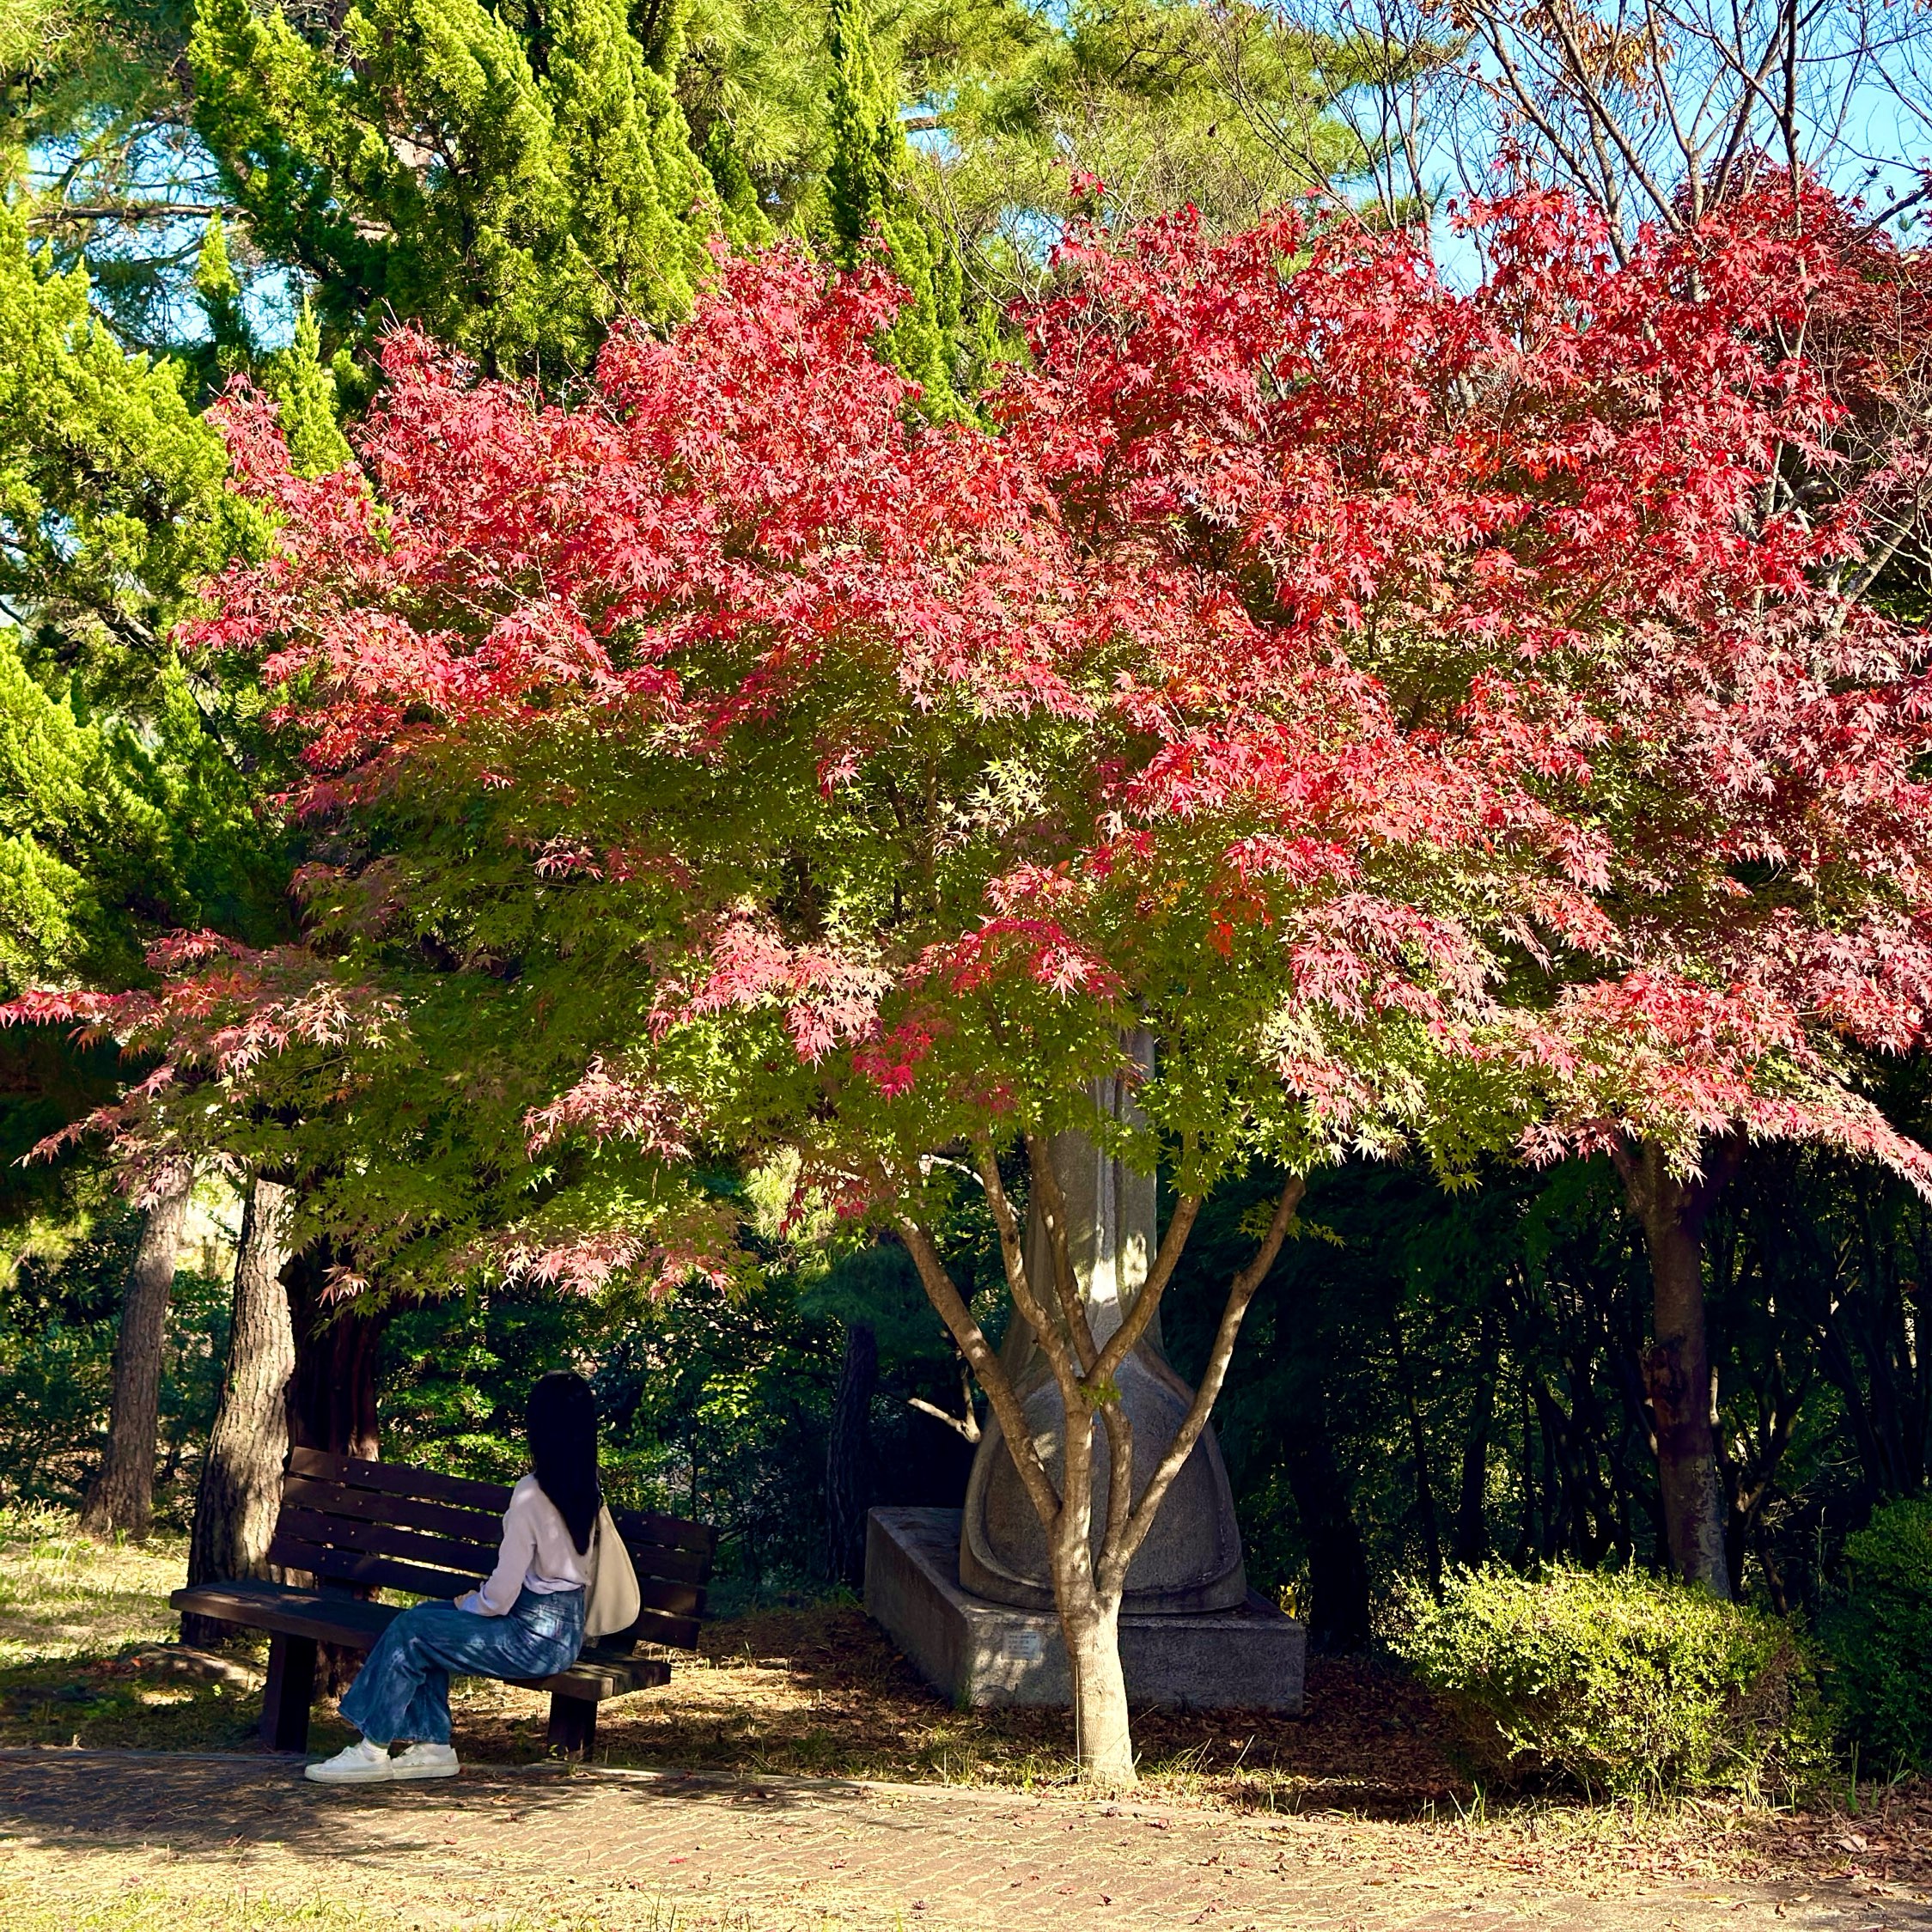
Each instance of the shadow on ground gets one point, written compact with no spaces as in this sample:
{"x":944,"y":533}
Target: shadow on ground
{"x":222,"y":1803}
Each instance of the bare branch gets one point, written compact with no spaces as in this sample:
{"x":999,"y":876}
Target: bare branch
{"x":944,"y":1295}
{"x":125,"y":211}
{"x":1240,"y":1292}
{"x":966,"y":1425}
{"x":1053,"y":1217}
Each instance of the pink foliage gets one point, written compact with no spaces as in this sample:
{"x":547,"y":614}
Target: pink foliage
{"x":1450,"y":663}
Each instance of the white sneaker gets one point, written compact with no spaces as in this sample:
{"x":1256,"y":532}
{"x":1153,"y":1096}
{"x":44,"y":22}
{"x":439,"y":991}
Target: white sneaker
{"x":424,"y":1760}
{"x":362,"y":1763}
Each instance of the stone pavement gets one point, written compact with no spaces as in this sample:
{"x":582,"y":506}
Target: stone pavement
{"x":658,"y":1850}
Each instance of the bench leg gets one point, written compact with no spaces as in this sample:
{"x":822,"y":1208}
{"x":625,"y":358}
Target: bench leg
{"x":287,"y":1693}
{"x":573,"y":1725}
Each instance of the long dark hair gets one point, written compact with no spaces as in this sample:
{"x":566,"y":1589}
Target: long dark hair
{"x":563,"y":1424}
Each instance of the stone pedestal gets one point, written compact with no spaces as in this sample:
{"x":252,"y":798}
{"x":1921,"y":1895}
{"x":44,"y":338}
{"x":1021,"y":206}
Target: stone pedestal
{"x":979,"y":1653}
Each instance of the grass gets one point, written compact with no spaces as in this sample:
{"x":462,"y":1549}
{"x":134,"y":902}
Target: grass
{"x":75,"y":1617}
{"x":49,"y":1901}
{"x":135,"y":1889}
{"x":156,"y":1909}
{"x":64,"y":1596}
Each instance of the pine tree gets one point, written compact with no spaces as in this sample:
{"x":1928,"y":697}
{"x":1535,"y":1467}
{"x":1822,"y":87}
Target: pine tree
{"x":869,"y":206}
{"x":515,"y":180}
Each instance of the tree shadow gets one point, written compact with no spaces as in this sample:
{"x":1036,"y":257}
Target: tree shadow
{"x":202,"y":1804}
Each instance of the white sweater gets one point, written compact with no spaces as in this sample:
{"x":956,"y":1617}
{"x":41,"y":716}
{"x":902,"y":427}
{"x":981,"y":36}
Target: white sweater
{"x":537,"y":1554}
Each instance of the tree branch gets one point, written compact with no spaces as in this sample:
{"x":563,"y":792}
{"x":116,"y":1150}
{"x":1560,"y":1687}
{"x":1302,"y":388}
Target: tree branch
{"x":1066,"y":1289}
{"x":1140,"y":1318}
{"x":1240,"y":1292}
{"x":944,"y":1295}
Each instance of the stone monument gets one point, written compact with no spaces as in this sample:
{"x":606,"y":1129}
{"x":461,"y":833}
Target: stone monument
{"x":968,"y":1595}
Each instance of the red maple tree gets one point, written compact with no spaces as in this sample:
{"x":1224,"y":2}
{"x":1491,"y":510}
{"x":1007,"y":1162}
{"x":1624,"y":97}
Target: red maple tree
{"x":1455,"y":721}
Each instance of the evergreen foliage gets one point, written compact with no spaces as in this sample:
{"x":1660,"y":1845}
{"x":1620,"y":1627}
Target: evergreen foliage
{"x":111,"y":500}
{"x":127,"y":805}
{"x":219,"y":294}
{"x":1165,"y":103}
{"x":869,"y":206}
{"x":95,"y":146}
{"x":304,"y":388}
{"x":514,"y":182}
{"x":69,"y":825}
{"x":1880,"y":1639}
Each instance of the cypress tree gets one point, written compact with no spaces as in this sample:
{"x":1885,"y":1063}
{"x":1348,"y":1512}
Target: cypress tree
{"x":745,"y":222}
{"x":513,"y":180}
{"x":219,"y":295}
{"x":111,"y":490}
{"x":304,"y":386}
{"x":869,"y":207}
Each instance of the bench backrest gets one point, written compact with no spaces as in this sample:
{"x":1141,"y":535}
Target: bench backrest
{"x":384,"y":1525}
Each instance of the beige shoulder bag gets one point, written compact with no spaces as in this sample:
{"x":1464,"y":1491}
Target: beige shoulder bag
{"x":614,"y":1601}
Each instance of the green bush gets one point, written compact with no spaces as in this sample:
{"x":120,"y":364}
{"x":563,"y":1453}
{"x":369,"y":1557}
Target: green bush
{"x":1616,"y":1681}
{"x":1878,"y":1639}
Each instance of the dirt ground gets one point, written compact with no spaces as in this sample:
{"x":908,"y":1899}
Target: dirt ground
{"x":109,"y":1842}
{"x":1363,"y":1793}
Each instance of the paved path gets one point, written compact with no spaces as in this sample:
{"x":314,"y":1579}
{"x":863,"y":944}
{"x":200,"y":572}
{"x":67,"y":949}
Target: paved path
{"x":624,"y":1849}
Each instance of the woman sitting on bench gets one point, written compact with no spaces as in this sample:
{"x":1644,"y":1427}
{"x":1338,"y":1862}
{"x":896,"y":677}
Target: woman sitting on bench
{"x":527,"y":1619}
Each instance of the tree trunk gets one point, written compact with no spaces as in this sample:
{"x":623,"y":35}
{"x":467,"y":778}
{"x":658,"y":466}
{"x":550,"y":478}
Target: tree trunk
{"x":1471,"y":1544}
{"x":1338,"y":1614}
{"x":849,"y":1456}
{"x":241,"y":1480}
{"x":333,"y":1391}
{"x":1103,"y":1733}
{"x":121,"y":1498}
{"x":1418,"y":1447}
{"x":1677,"y":1365}
{"x":331,"y":1400}
{"x":1089,"y":1583}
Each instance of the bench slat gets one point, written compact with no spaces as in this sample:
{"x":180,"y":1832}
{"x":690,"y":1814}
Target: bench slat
{"x":483,"y":1527}
{"x":314,"y":1531}
{"x":399,"y":1478}
{"x":654,"y":1626}
{"x":597,"y":1676}
{"x":481,"y":1532}
{"x":667,"y":1566}
{"x":674,"y":1532}
{"x":286,"y":1610}
{"x":354,"y":1566}
{"x":678,"y":1600}
{"x":385,"y":1540}
{"x":640,"y":1529}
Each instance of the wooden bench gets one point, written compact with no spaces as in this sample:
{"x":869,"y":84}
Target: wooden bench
{"x":351,"y":1524}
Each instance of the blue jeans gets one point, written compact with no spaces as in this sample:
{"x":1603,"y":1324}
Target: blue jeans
{"x":402,"y":1690}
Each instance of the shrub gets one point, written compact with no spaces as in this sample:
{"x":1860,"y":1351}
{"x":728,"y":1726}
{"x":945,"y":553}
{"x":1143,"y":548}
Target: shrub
{"x":1878,"y":1640}
{"x":1615,"y":1680}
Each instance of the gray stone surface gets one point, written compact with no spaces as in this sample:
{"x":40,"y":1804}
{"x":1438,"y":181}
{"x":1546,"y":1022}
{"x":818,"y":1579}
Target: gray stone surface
{"x":1191,"y":1559}
{"x":980,"y":1653}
